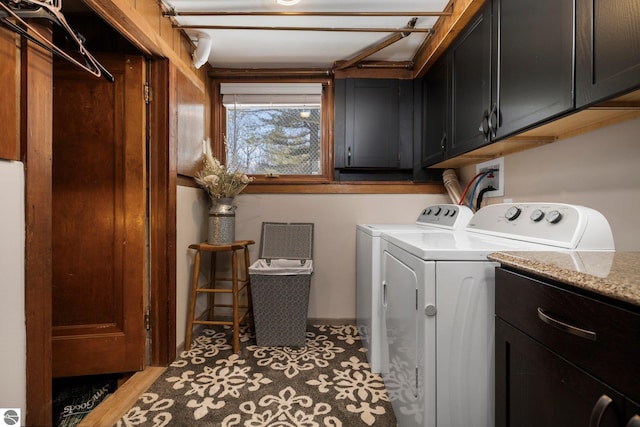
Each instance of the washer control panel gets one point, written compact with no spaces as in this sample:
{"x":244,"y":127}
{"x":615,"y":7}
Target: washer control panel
{"x":446,"y":216}
{"x":554,"y":224}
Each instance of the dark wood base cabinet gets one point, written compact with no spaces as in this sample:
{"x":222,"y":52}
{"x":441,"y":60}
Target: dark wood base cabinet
{"x":556,"y":361}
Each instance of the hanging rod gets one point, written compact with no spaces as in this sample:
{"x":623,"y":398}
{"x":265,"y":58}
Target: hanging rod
{"x":248,"y":27}
{"x":262,"y":72}
{"x":406,"y":64}
{"x":50,"y":11}
{"x":173,"y":13}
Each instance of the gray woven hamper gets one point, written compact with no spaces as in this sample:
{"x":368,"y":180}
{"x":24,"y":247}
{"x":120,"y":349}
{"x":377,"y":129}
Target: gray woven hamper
{"x":280,"y":284}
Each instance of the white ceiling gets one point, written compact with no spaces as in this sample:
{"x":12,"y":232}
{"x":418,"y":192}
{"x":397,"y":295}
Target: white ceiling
{"x":270,"y":48}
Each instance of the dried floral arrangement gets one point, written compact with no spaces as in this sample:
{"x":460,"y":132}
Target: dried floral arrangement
{"x":219,"y":182}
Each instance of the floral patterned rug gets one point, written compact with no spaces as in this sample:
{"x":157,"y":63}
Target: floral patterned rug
{"x":326,"y":383}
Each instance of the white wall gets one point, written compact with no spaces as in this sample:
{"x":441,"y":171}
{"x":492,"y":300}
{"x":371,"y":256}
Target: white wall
{"x":600,"y":169}
{"x":13,"y":381}
{"x":335,"y":217}
{"x":191,"y":219}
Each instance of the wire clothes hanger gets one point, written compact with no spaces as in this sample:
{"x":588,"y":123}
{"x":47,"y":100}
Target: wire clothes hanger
{"x":49,"y":9}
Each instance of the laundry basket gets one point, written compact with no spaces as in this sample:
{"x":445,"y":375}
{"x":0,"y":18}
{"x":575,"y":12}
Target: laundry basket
{"x":280,"y":283}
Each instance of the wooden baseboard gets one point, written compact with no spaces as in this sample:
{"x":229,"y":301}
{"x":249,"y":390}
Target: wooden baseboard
{"x":116,"y":405}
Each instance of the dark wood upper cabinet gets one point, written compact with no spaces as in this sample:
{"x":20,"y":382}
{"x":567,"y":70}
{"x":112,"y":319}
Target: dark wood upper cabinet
{"x":471,"y":84}
{"x":608,"y":49}
{"x":374,"y":129}
{"x":436,"y":118}
{"x":532,"y":72}
{"x":372,"y":119}
{"x":523,"y":63}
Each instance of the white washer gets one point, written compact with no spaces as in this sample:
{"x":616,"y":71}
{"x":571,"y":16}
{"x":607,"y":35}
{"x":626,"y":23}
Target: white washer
{"x":438,"y":306}
{"x":442,"y":218}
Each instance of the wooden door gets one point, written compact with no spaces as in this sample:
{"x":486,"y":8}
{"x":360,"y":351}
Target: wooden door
{"x":98,"y":215}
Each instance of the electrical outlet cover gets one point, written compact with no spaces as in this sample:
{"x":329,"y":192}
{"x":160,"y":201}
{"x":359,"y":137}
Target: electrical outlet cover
{"x":498,"y":179}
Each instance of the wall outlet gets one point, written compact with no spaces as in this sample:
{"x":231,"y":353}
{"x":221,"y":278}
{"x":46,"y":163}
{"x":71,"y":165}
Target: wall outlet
{"x":496,"y":179}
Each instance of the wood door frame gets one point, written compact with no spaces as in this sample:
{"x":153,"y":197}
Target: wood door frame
{"x":36,"y":132}
{"x":37,"y":139}
{"x":162,"y":160}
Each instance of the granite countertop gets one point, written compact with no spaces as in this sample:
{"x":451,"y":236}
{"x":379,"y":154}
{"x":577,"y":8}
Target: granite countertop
{"x":613,"y":274}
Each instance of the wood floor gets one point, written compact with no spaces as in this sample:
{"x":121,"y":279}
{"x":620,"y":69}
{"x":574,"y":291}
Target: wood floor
{"x":116,"y":405}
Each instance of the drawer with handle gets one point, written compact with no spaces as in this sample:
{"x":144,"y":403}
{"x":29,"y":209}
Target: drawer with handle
{"x":599,"y":337}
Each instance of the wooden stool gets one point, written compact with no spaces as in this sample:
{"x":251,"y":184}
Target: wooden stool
{"x":238,"y":284}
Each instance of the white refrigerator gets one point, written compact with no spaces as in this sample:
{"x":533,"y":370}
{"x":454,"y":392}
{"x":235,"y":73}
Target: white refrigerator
{"x":13,"y":333}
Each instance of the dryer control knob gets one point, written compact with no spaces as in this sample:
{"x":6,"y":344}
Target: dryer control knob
{"x":430,"y":310}
{"x":554,"y":217}
{"x":537,"y":215}
{"x":512,"y":213}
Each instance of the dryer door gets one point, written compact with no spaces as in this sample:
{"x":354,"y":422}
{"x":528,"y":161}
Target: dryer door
{"x":410,"y":384}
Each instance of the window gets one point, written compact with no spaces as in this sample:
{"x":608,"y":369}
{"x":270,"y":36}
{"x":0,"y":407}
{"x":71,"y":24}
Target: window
{"x":276,"y":131}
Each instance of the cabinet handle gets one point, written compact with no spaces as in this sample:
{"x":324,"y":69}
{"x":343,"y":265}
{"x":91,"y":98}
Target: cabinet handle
{"x":574,"y":330}
{"x":349,"y":156}
{"x":443,"y":141}
{"x":484,"y":124}
{"x":491,"y":128}
{"x":598,"y":410}
{"x":634,"y":421}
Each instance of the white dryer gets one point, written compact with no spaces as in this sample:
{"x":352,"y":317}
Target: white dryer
{"x":438,"y":306}
{"x":442,"y":218}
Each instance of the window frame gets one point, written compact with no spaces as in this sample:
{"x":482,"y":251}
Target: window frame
{"x":219,"y":129}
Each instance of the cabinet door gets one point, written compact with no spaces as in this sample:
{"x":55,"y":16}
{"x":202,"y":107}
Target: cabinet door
{"x":608,"y":49}
{"x":532,"y":62}
{"x":471,"y":84}
{"x":436,"y":112}
{"x":372,"y":123}
{"x":339,"y":122}
{"x":536,"y":387}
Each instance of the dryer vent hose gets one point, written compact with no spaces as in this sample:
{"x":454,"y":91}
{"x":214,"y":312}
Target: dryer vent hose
{"x":451,"y":184}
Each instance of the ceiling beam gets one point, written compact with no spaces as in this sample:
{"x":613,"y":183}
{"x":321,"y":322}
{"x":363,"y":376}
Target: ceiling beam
{"x":444,"y":32}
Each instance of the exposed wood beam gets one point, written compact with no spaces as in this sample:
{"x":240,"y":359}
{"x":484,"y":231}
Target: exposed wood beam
{"x":444,"y":32}
{"x":132,"y":25}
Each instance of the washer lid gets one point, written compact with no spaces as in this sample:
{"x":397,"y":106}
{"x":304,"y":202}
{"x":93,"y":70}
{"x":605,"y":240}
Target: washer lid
{"x":455,"y":246}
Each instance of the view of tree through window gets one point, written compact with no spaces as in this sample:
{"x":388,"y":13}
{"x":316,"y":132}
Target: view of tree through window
{"x":274,"y":128}
{"x":279,"y":139}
